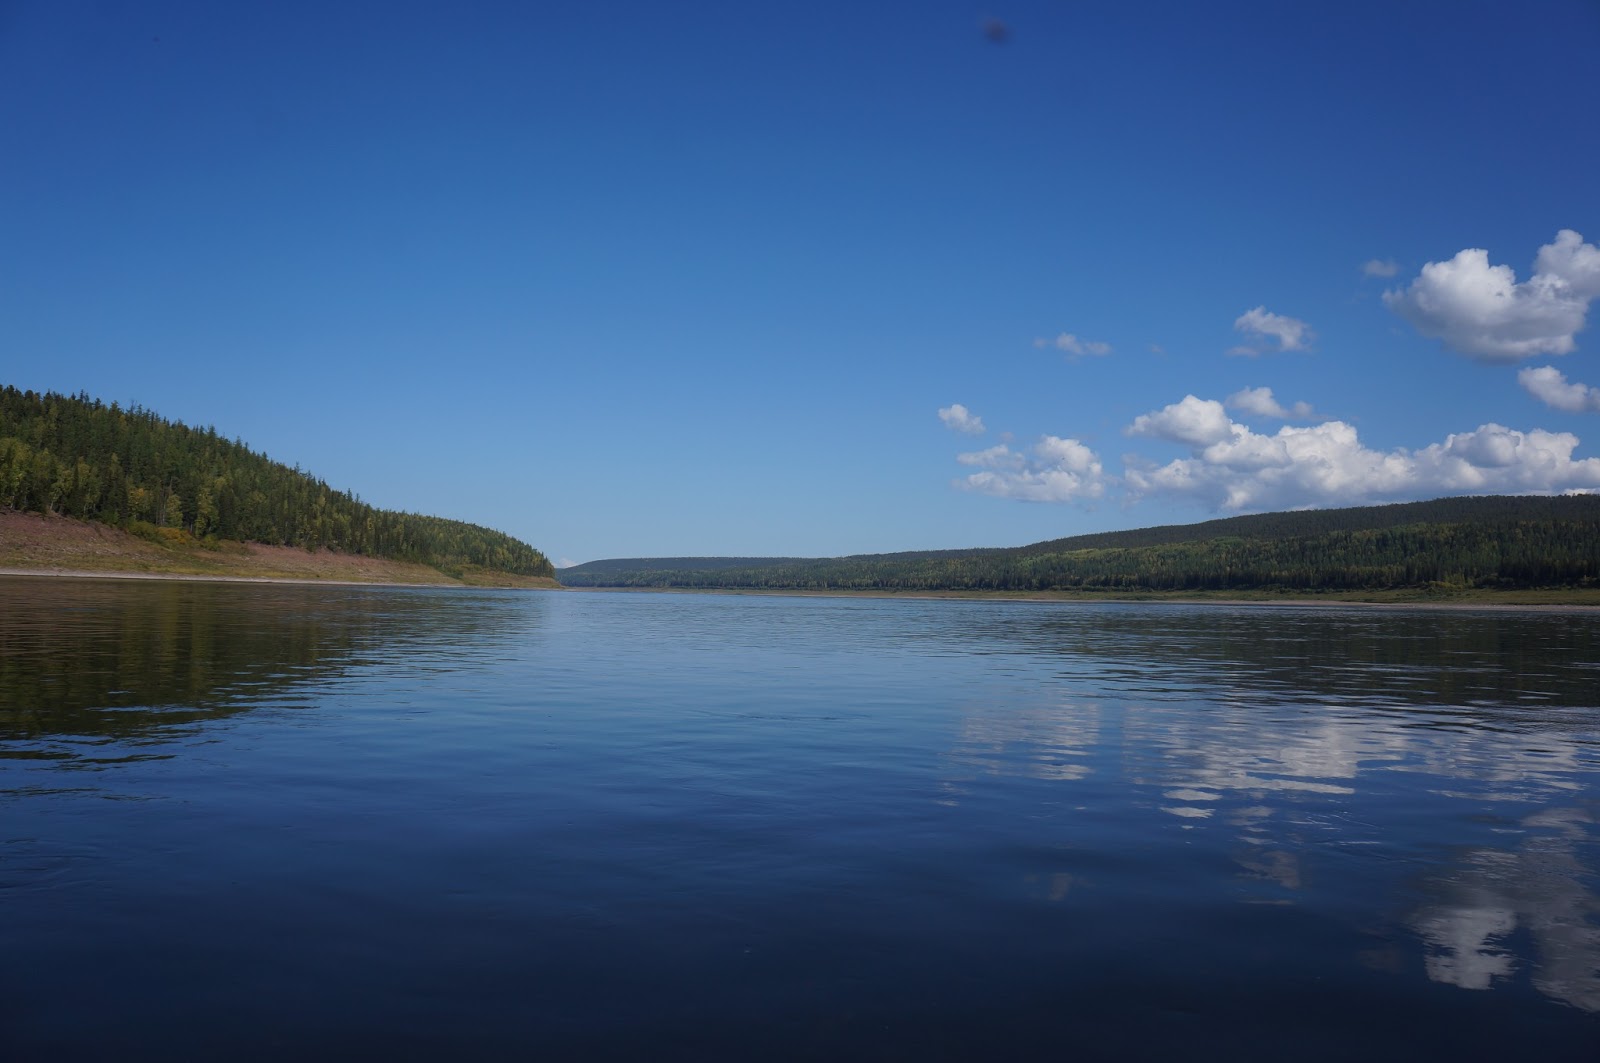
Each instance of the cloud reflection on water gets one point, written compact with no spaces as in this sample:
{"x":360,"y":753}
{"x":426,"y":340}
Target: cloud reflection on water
{"x":1324,"y":729}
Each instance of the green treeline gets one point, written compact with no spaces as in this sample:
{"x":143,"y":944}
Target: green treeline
{"x":1489,"y":542}
{"x":76,"y":456}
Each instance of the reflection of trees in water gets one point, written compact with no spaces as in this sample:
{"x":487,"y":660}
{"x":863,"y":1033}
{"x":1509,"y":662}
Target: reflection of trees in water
{"x":109,"y":660}
{"x":1485,"y":662}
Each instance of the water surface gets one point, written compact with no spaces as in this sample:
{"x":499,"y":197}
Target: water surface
{"x":258,"y":821}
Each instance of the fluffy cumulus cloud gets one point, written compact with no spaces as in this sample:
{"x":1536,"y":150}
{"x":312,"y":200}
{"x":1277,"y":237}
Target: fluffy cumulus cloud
{"x":1261,"y":403}
{"x":1327,"y":464}
{"x":1055,"y":470}
{"x":1379,"y":267}
{"x":1550,"y":386}
{"x":1289,"y":333}
{"x":1233,"y":468}
{"x":1575,"y":262}
{"x":1075,"y":346}
{"x":1195,"y":421}
{"x":958,"y":418}
{"x":1484,"y":312}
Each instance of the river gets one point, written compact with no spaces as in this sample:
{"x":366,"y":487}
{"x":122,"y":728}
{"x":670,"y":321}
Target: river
{"x":260,"y":821}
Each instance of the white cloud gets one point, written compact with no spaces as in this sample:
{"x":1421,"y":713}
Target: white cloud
{"x":566,"y":562}
{"x":1574,"y":261}
{"x":1482,"y":311}
{"x":1291,"y":334}
{"x":1327,"y":465}
{"x":1230,"y":467}
{"x":1549,"y":385}
{"x":1379,"y":267}
{"x":998,"y":456}
{"x":1076,"y":347}
{"x":1260,"y":402}
{"x":1242,"y":352}
{"x":958,"y":418}
{"x":1059,"y":470}
{"x":1194,"y":421}
{"x":1067,"y":454}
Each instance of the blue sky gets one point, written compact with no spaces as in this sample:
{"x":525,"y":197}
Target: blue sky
{"x":643,"y":279}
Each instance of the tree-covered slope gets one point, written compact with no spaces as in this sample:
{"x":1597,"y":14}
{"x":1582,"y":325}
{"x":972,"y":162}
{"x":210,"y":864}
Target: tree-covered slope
{"x":620,"y":565}
{"x":77,"y":456}
{"x":1467,"y":542}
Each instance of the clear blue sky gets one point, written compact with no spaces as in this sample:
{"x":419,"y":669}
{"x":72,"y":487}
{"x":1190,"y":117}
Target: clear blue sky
{"x":654,"y":279}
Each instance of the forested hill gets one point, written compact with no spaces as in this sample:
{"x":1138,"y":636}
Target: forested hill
{"x":620,"y":565}
{"x":77,"y":456}
{"x":1496,"y":541}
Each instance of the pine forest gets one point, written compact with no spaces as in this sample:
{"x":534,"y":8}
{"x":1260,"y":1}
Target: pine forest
{"x":1495,"y":542}
{"x":78,"y":457}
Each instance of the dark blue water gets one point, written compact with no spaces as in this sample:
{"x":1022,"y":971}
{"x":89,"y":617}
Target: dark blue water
{"x":255,"y":822}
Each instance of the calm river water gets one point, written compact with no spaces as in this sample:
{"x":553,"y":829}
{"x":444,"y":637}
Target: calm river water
{"x":269,"y":822}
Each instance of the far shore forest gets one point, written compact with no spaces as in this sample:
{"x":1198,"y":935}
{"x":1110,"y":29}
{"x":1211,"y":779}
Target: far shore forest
{"x":165,"y":481}
{"x":1447,"y":545}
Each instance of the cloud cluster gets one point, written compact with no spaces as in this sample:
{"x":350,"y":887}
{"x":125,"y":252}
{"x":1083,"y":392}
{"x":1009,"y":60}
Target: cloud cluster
{"x":1549,"y":385}
{"x":1055,"y":470}
{"x":958,"y":418}
{"x":1076,"y":347}
{"x":1484,"y":312}
{"x":1259,"y":401}
{"x":1233,"y":468}
{"x":1197,"y":422}
{"x":1291,"y":334}
{"x":1478,"y":309}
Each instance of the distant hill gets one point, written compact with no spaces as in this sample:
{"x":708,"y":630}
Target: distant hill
{"x":698,"y":564}
{"x":161,"y":479}
{"x":1493,"y":541}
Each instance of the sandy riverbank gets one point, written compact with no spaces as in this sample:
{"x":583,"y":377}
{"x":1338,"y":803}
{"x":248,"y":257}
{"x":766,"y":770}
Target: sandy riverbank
{"x":186,"y":577}
{"x":36,"y":545}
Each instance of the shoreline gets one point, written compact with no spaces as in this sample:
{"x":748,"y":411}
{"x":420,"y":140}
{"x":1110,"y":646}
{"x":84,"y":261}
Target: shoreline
{"x":1069,"y":598}
{"x":1059,"y":598}
{"x":189,"y":577}
{"x":33,"y":544}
